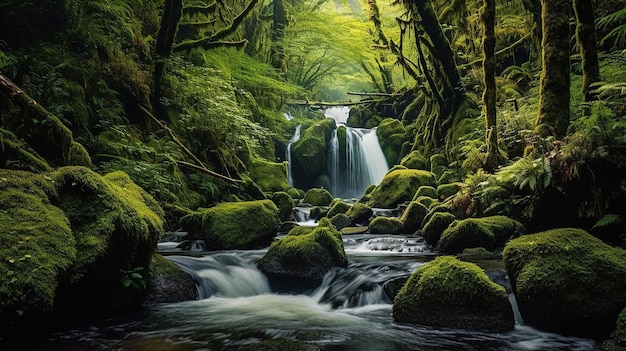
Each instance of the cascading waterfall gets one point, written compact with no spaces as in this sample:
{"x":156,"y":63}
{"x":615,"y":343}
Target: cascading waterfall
{"x":294,"y":138}
{"x":361,"y":162}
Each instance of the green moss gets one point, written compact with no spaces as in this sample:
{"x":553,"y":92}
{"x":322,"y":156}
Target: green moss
{"x":399,"y":186}
{"x":415,"y":160}
{"x":234,"y":225}
{"x":453,"y":294}
{"x":391,"y":135}
{"x":284,"y":203}
{"x":434,"y":227}
{"x":309,"y":152}
{"x":295,"y":193}
{"x":385,"y":225}
{"x":426,"y":190}
{"x":15,"y":155}
{"x":567,"y":281}
{"x":438,"y":164}
{"x":318,"y":197}
{"x":413,"y":217}
{"x":360,"y":213}
{"x":488,"y":232}
{"x":426,"y":201}
{"x":444,"y":191}
{"x":337,"y":208}
{"x":269,"y":176}
{"x":341,"y":221}
{"x":37,"y":247}
{"x":449,"y":176}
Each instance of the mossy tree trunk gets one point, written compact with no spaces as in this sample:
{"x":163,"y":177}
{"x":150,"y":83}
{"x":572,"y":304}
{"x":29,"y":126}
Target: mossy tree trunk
{"x":534,"y":8}
{"x":172,"y":13}
{"x":488,"y":21}
{"x":381,"y":42}
{"x":586,"y":39}
{"x":554,"y":93}
{"x":279,"y":24}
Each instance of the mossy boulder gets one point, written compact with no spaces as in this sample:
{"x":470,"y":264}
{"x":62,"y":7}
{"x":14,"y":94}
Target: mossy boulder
{"x":360,"y":213}
{"x":168,"y":283}
{"x":444,"y":191}
{"x":450,"y":293}
{"x":415,"y":160}
{"x":391,"y":135}
{"x":426,"y":190}
{"x":269,"y":176}
{"x":412,"y":217}
{"x":68,"y":234}
{"x":399,"y":186}
{"x":438,"y":164}
{"x":318,"y":197}
{"x":426,"y":201}
{"x":308,"y":154}
{"x":295,"y":194}
{"x":234,"y":225}
{"x":337,"y":208}
{"x":303,"y":257}
{"x":434,"y":227}
{"x":284,"y":203}
{"x":487,"y":232}
{"x":385,"y":225}
{"x":567,"y":281}
{"x":340,"y":221}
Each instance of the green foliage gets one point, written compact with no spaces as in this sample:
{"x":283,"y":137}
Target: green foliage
{"x":132,"y":278}
{"x":613,"y":27}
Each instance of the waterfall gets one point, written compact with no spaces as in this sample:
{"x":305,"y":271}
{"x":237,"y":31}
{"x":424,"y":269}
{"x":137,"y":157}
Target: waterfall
{"x":294,"y":138}
{"x":360,"y":165}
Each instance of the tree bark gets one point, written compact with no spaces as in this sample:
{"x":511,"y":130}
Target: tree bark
{"x":277,"y":51}
{"x":586,"y":39}
{"x":554,"y":93}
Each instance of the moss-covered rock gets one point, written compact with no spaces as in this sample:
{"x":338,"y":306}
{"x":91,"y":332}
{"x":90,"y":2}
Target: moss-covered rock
{"x":426,"y":190}
{"x":385,"y":225}
{"x":284,"y":203}
{"x":337,"y":208}
{"x":438,"y":164}
{"x":444,"y":191}
{"x":453,"y":294}
{"x":567,"y":281}
{"x":15,"y":155}
{"x":415,"y":160}
{"x":308,"y":154}
{"x":168,"y":283}
{"x":426,"y":201}
{"x":391,"y":135}
{"x":399,"y":186}
{"x":295,"y":193}
{"x":488,"y":232}
{"x":360,"y":213}
{"x":269,"y":176}
{"x":434,"y":227}
{"x":318,"y":197}
{"x":234,"y":225}
{"x":304,"y":256}
{"x":449,"y":176}
{"x":340,"y":221}
{"x":413,"y":217}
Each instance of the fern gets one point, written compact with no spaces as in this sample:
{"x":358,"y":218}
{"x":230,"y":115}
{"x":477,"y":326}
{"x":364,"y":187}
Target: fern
{"x":607,"y":220}
{"x":615,"y":24}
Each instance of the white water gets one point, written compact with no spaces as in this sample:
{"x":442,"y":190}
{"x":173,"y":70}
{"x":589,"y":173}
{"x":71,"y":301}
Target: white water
{"x":294,"y":138}
{"x":361,"y":164}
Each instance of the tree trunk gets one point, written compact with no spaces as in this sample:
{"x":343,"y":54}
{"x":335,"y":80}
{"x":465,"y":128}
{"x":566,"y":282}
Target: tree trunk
{"x":554,"y":94}
{"x":488,"y":21}
{"x":586,"y":39}
{"x":534,"y":7}
{"x":277,"y":52}
{"x":172,"y":13}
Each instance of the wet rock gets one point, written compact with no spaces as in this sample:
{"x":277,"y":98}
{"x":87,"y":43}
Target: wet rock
{"x":360,"y":213}
{"x":168,"y":283}
{"x":413,"y":217}
{"x":435,"y":226}
{"x":385,"y":225}
{"x":318,"y":197}
{"x":487,"y":232}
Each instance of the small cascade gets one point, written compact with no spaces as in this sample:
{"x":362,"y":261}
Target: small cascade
{"x":294,"y":138}
{"x":223,"y":275}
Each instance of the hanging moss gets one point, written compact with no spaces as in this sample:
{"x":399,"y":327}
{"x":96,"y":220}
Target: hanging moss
{"x":453,"y":294}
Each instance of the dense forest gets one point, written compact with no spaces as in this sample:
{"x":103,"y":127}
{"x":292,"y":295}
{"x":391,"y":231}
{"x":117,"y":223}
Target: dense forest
{"x":502,"y":124}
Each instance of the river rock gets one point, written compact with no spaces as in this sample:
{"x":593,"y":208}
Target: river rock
{"x":318,"y":197}
{"x":385,"y":225}
{"x":399,"y":185}
{"x":337,"y":208}
{"x":284,"y":203}
{"x":415,"y":160}
{"x":487,"y":232}
{"x":450,"y":293}
{"x":360,"y":213}
{"x":308,"y":154}
{"x":341,"y":221}
{"x":435,"y":226}
{"x":234,"y":225}
{"x":304,"y":256}
{"x":412,"y":217}
{"x":567,"y":281}
{"x":426,"y":190}
{"x":168,"y":283}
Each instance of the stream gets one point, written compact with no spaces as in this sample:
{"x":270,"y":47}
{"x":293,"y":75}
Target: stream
{"x":348,"y":311}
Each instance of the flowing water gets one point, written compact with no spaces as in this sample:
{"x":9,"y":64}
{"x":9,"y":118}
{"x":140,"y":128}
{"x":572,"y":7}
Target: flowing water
{"x":348,"y":311}
{"x":294,"y":138}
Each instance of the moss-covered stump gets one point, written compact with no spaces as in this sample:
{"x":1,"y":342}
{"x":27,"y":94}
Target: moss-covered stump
{"x":487,"y":232}
{"x":303,"y":257}
{"x":360,"y":213}
{"x":308,"y":154}
{"x":281,"y":344}
{"x":284,"y":203}
{"x":413,"y":217}
{"x":398,"y":186}
{"x":434,"y":227}
{"x":567,"y":281}
{"x":449,"y":293}
{"x":415,"y":160}
{"x":269,"y":176}
{"x":168,"y":283}
{"x":234,"y":225}
{"x":385,"y":225}
{"x":318,"y":197}
{"x":391,"y":135}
